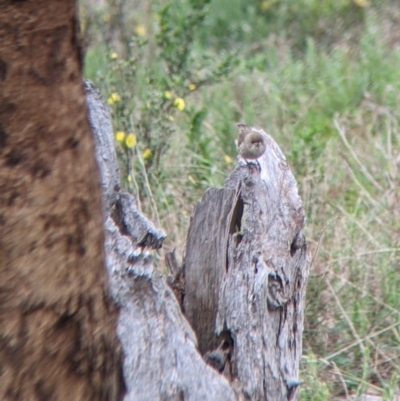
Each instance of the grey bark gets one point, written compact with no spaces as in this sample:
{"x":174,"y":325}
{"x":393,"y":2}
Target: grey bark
{"x":160,"y":348}
{"x":245,"y":271}
{"x":242,"y":284}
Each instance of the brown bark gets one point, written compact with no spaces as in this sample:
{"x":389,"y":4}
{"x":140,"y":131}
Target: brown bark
{"x":57,"y":325}
{"x":246,"y":268}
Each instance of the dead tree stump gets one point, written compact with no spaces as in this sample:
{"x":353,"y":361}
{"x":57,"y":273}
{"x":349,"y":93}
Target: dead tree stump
{"x":242,"y":284}
{"x":161,"y":361}
{"x":245,"y":270}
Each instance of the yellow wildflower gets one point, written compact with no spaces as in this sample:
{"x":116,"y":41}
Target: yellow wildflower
{"x":106,"y":17}
{"x":140,"y":30}
{"x":265,"y":5}
{"x":192,"y":87}
{"x":228,"y":159}
{"x":114,"y":98}
{"x":167,"y":94}
{"x":362,"y":3}
{"x":129,"y":178}
{"x":146,"y":153}
{"x":179,"y":103}
{"x":120,"y":136}
{"x":130,"y":140}
{"x":114,"y":56}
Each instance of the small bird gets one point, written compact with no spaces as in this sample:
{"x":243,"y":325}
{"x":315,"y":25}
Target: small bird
{"x":251,"y":143}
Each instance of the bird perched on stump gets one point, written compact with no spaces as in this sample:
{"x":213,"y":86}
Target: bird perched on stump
{"x":251,"y":143}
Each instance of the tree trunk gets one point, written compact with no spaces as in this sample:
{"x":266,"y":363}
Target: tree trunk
{"x":245,"y":271}
{"x":57,"y":324}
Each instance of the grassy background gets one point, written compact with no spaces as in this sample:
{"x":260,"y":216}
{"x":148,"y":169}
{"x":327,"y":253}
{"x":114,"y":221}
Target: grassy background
{"x":323,"y":79}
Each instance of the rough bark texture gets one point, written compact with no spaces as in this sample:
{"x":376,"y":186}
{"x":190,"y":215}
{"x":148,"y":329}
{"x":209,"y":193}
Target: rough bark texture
{"x":57,"y":325}
{"x":161,"y":360}
{"x":245,"y":270}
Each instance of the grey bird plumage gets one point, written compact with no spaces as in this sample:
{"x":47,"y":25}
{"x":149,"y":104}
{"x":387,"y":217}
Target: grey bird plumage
{"x":251,"y":143}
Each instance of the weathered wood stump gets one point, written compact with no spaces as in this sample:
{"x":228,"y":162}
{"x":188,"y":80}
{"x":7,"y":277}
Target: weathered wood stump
{"x":245,"y":271}
{"x":242,"y":286}
{"x":160,"y":348}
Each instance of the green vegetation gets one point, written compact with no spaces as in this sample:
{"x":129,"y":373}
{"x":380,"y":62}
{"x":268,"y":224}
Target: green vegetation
{"x":323,"y":79}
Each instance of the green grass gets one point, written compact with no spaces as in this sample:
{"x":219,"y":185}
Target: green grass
{"x":324,"y":80}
